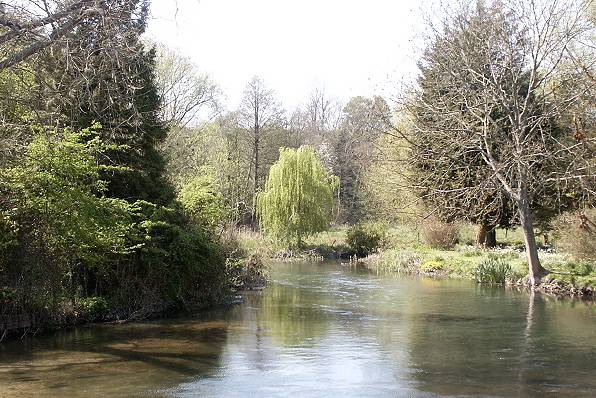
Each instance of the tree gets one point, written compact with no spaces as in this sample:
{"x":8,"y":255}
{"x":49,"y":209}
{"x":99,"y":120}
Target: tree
{"x":92,"y":213}
{"x":487,"y":93}
{"x":298,"y":196}
{"x":62,"y":54}
{"x":363,"y":121}
{"x":28,"y":27}
{"x":115,"y":85}
{"x":323,"y":114}
{"x":184,"y":91}
{"x":18,"y":100}
{"x":260,"y":116}
{"x":387,"y":191}
{"x":202,"y":202}
{"x":54,"y":201}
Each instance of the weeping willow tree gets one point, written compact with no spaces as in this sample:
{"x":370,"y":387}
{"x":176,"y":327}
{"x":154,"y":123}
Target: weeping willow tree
{"x":298,"y":197}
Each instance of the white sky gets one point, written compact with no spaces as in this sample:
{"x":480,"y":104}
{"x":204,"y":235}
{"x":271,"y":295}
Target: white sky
{"x":347,"y":47}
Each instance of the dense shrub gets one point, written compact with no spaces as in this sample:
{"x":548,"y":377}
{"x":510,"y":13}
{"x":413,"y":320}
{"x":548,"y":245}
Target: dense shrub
{"x":176,"y":263}
{"x":244,"y":270}
{"x":364,"y":239}
{"x":439,"y":234}
{"x":575,"y":233}
{"x":202,"y":202}
{"x":62,"y":239}
{"x":492,"y":270}
{"x":94,"y":306}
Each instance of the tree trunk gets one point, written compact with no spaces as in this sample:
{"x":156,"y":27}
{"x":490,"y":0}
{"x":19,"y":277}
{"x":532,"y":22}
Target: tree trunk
{"x":481,"y":235}
{"x":491,"y":238}
{"x":535,"y":269}
{"x":486,"y":236}
{"x":255,"y":175}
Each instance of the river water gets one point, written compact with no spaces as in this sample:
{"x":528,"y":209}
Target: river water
{"x":323,"y":330}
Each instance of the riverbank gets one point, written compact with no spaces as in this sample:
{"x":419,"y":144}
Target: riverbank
{"x":567,"y":277}
{"x":404,"y":251}
{"x":244,"y":274}
{"x":324,"y":246}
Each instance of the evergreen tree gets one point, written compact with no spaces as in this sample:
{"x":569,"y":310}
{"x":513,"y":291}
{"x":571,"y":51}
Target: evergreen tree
{"x":116,"y":88}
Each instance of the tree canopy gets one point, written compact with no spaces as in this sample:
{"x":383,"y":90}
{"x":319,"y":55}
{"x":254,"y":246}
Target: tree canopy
{"x":485,"y":135}
{"x":298,"y":197}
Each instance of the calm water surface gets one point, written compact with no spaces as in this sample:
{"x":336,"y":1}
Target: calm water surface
{"x":327,"y":331}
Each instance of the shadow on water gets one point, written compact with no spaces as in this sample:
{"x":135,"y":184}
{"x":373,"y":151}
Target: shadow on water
{"x":123,"y":360}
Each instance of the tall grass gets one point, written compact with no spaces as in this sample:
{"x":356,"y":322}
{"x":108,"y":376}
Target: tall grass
{"x":493,"y":270}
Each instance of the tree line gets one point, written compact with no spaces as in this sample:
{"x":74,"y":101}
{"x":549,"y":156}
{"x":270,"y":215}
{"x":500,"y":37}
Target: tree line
{"x":89,"y":219}
{"x":238,"y":148}
{"x":120,"y":169}
{"x":497,"y":129}
{"x":501,"y":123}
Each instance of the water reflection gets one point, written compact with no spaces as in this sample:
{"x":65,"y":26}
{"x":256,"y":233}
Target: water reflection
{"x":503,"y":344}
{"x":327,"y":331}
{"x":116,"y":360}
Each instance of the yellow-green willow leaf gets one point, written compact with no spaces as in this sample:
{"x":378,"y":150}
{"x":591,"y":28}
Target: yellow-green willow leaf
{"x":298,"y":197}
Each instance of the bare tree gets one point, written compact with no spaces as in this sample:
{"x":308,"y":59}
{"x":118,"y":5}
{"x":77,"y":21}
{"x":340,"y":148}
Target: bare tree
{"x":184,"y":91}
{"x":323,"y":113}
{"x":260,"y":115}
{"x":491,"y":89}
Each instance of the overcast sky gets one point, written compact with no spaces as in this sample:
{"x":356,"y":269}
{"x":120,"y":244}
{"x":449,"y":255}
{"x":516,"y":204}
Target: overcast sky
{"x":347,"y":47}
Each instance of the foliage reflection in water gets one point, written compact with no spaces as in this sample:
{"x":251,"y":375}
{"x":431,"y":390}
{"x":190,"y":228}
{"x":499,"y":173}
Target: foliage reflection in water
{"x":324,"y":330}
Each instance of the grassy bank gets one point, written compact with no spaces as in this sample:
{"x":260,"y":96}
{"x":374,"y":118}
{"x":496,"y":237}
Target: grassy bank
{"x":405,"y":251}
{"x":326,"y":245}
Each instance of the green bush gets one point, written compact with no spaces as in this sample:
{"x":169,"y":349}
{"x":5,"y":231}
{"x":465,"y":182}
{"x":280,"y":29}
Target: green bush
{"x":364,"y":239}
{"x":493,"y":270}
{"x":243,"y":270}
{"x":181,"y":264}
{"x":62,"y":232}
{"x":247,"y":273}
{"x":7,"y":295}
{"x":94,"y":306}
{"x":8,"y":232}
{"x":202,"y":202}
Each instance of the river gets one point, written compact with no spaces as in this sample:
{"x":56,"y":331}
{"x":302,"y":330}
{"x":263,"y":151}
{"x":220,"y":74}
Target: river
{"x":323,"y":330}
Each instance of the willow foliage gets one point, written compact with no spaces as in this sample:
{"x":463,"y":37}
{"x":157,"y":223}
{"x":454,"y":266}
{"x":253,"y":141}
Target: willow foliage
{"x":298,"y":196}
